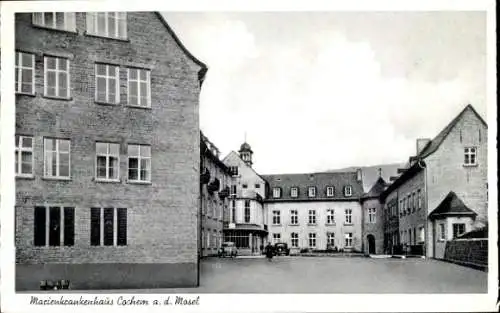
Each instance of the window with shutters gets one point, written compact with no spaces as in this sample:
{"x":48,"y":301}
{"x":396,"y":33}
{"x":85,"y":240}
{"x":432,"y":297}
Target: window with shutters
{"x":108,"y":226}
{"x":54,"y":226}
{"x":107,"y":24}
{"x":56,"y":77}
{"x":56,"y":20}
{"x":139,"y":87}
{"x":25,"y":73}
{"x":24,"y":156}
{"x":107,"y":83}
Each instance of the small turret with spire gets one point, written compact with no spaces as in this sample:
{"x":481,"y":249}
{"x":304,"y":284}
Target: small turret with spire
{"x":246,"y":152}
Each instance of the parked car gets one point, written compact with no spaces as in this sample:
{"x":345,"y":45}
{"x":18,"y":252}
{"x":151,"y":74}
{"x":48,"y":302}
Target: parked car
{"x":227,"y":249}
{"x":281,"y":248}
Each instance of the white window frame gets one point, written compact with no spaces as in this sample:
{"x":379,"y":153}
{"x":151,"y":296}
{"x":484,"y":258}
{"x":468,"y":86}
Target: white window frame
{"x":372,"y":217}
{"x":294,"y":240}
{"x":107,"y":77}
{"x":312,"y":217}
{"x":138,"y":81}
{"x":419,"y":199}
{"x":458,"y":234}
{"x":58,"y":153}
{"x":107,"y":155}
{"x":276,"y":192}
{"x":20,"y":149}
{"x":312,"y":239}
{"x":39,"y":19}
{"x":468,"y":153}
{"x":294,"y":192}
{"x":330,"y":217}
{"x":139,"y":157}
{"x":120,"y":21}
{"x":421,"y":234}
{"x":19,"y":70}
{"x":330,"y":191}
{"x":276,"y":217}
{"x":330,"y":238}
{"x":245,"y":207}
{"x":348,"y":191}
{"x":348,"y":216}
{"x":57,"y":71}
{"x":311,"y":192}
{"x":348,"y":240}
{"x":276,"y":237}
{"x":294,"y":215}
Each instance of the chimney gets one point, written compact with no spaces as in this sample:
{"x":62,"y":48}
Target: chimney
{"x":379,"y":172}
{"x":359,"y":174}
{"x":421,"y":143}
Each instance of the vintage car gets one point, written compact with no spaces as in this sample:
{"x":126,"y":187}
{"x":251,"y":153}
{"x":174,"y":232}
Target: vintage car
{"x":227,"y":249}
{"x":281,"y":248}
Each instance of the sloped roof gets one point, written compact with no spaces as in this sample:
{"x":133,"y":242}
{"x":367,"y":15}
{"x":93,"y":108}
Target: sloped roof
{"x":338,"y":180}
{"x":378,"y":187}
{"x":451,"y":205}
{"x":434,"y":144}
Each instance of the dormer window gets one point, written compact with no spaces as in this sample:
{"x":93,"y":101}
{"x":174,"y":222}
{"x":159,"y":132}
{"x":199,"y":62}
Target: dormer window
{"x":329,"y":191}
{"x":347,"y":191}
{"x":294,"y":192}
{"x":276,"y":192}
{"x":312,"y":192}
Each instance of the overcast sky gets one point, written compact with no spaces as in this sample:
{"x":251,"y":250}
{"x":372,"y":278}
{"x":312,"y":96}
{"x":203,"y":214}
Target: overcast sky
{"x":317,"y":91}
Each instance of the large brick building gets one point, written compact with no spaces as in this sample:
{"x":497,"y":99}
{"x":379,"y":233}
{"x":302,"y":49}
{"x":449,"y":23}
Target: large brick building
{"x":107,"y":151}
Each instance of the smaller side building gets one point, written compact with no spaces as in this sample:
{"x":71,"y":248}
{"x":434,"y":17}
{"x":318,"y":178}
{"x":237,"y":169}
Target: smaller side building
{"x":373,"y":218}
{"x":215,"y":180}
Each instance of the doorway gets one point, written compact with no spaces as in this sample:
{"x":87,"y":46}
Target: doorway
{"x":371,"y":244}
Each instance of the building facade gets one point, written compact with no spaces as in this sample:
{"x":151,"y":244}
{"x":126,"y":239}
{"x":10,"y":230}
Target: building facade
{"x":316,"y":211}
{"x":215,"y":181}
{"x":373,"y":218}
{"x":107,"y":151}
{"x":442,"y":193}
{"x":247,"y":222}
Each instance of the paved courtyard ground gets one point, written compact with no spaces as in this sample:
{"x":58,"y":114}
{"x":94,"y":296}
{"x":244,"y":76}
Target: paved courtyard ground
{"x":333,"y":275}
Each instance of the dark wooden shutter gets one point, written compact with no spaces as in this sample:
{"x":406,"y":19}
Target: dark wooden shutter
{"x":95,"y":226}
{"x":39,"y":226}
{"x":108,"y":226}
{"x":69,"y":226}
{"x":55,"y":226}
{"x":122,"y":227}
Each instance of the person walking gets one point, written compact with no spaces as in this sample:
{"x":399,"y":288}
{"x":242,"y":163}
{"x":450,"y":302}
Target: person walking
{"x":269,"y":252}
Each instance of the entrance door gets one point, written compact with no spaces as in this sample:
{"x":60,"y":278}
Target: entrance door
{"x":371,"y":244}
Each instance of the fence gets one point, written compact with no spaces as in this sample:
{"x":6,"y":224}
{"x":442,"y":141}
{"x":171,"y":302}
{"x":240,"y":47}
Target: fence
{"x":471,"y":252}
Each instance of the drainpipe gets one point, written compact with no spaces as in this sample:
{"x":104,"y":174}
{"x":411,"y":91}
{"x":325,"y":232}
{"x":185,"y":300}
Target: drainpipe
{"x":424,"y":167}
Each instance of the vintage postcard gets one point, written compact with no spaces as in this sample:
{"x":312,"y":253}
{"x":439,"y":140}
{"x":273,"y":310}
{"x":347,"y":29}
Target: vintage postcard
{"x":260,"y":158}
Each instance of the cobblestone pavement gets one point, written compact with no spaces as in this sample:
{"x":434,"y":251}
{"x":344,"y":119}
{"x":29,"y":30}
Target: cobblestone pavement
{"x":332,"y":275}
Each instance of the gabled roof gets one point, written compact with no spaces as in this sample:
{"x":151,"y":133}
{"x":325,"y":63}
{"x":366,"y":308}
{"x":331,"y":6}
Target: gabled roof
{"x":338,"y":180}
{"x":203,"y":66}
{"x":434,"y":144}
{"x":239,"y":157}
{"x":378,"y":187}
{"x":451,"y":206}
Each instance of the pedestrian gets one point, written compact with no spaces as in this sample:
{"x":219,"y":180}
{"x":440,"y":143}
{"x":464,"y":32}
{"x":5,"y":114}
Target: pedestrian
{"x":269,"y":252}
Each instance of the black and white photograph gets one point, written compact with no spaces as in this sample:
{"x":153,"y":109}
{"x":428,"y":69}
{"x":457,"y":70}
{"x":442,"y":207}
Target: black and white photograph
{"x":176,"y":155}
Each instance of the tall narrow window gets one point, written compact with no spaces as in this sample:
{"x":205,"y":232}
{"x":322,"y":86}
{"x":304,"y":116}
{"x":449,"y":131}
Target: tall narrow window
{"x":330,"y":216}
{"x":312,"y":192}
{"x":108,"y":227}
{"x":25,"y":73}
{"x":57,"y":158}
{"x":107,"y":24}
{"x":348,"y":240}
{"x":233,"y":211}
{"x":139,"y":87}
{"x":57,"y":83}
{"x":372,"y":215}
{"x":294,"y":217}
{"x":294,"y":192}
{"x":347,"y":191}
{"x":295,"y":240}
{"x":95,"y":227}
{"x":107,"y":83}
{"x":107,"y":161}
{"x":330,"y":239}
{"x":312,"y":217}
{"x":413,"y":201}
{"x":69,"y":226}
{"x":276,"y":217}
{"x":139,"y":163}
{"x":24,"y":156}
{"x":57,"y":20}
{"x":348,"y":216}
{"x":442,"y":232}
{"x":247,"y":211}
{"x":312,"y":240}
{"x":39,"y":226}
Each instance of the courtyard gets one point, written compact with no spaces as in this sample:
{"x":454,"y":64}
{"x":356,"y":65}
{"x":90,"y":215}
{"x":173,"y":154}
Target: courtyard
{"x":333,"y":275}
